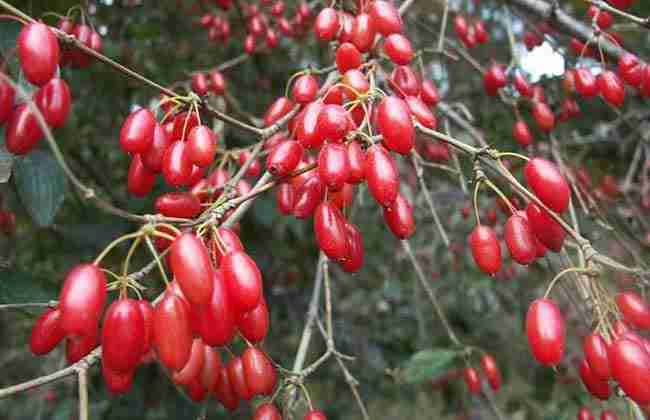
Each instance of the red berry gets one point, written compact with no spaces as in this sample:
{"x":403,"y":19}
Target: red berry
{"x":76,"y":348}
{"x":585,"y":83}
{"x":549,"y":232}
{"x":347,"y":57}
{"x":333,"y":165}
{"x":176,"y":165}
{"x":521,"y":133}
{"x":84,"y":34}
{"x":23,"y":131}
{"x":224,"y":391}
{"x":381,"y":175}
{"x":546,"y":332}
{"x":136,"y":134}
{"x":260,"y":374}
{"x":267,"y":411}
{"x":629,"y":362}
{"x":217,"y":318}
{"x":53,"y":100}
{"x":354,"y":262}
{"x":429,"y":93}
{"x":218,"y":82}
{"x":327,"y":24}
{"x":485,"y":249}
{"x":585,"y":414}
{"x":315,"y":414}
{"x":635,"y":309}
{"x":608,"y":415}
{"x":201,"y":145}
{"x":306,"y":129}
{"x":494,"y":79}
{"x":192,"y":268}
{"x":172,"y":332}
{"x":285,"y":197}
{"x":356,"y":160}
{"x":153,"y":158}
{"x":194,"y":366}
{"x":523,"y":86}
{"x":237,"y":379}
{"x":630,"y":69}
{"x":140,"y":180}
{"x":200,"y":84}
{"x":38,"y":51}
{"x":597,"y":387}
{"x":398,"y":48}
{"x":472,"y":380}
{"x":183,"y":125}
{"x":548,"y":184}
{"x":385,"y":16}
{"x":329,"y":228}
{"x":82,"y":300}
{"x":395,"y":124}
{"x":47,"y":332}
{"x":404,"y":81}
{"x":308,"y":196}
{"x":460,"y":26}
{"x":305,"y":89}
{"x":146,"y":309}
{"x":243,"y":280}
{"x":363,"y":32}
{"x":333,"y":123}
{"x":481,"y":33}
{"x":491,"y":370}
{"x":117,"y":382}
{"x":178,"y":204}
{"x":611,"y":88}
{"x":421,"y":112}
{"x":122,"y":335}
{"x":210,"y":374}
{"x":543,"y":116}
{"x":254,"y":324}
{"x":228,"y":242}
{"x":399,"y":217}
{"x":520,"y":239}
{"x":595,"y":349}
{"x":284,"y":158}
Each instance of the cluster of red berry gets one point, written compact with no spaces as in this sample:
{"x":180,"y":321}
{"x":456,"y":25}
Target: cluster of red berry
{"x":623,"y":357}
{"x":470,"y":34}
{"x":265,"y":20}
{"x":490,"y":369}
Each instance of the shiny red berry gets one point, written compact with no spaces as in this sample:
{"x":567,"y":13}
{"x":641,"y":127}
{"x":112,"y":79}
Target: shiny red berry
{"x":546,"y":332}
{"x":38,"y":51}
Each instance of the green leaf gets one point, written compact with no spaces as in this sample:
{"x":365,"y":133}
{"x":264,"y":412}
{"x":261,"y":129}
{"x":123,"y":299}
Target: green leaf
{"x":22,"y":287}
{"x":41,"y":185}
{"x":6,"y":161}
{"x":427,"y":364}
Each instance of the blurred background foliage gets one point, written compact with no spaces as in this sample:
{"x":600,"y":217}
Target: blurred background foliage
{"x":381,"y":315}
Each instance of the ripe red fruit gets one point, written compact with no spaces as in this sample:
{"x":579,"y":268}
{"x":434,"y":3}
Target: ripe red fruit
{"x":38,"y":51}
{"x":306,"y":126}
{"x":285,"y":198}
{"x":481,"y":33}
{"x":491,"y":370}
{"x":122,"y":335}
{"x":140,"y":180}
{"x":201,"y":145}
{"x":585,"y":414}
{"x":249,"y":44}
{"x":549,"y":232}
{"x":254,"y":324}
{"x":194,"y":365}
{"x":597,"y":387}
{"x":399,"y":217}
{"x":327,"y":24}
{"x":421,"y":112}
{"x":635,"y":309}
{"x":183,"y":125}
{"x":136,"y":134}
{"x":381,"y":175}
{"x":7,"y":97}
{"x":243,"y":280}
{"x":308,"y":196}
{"x":237,"y":379}
{"x":53,"y":100}
{"x":278,"y":109}
{"x":146,"y":309}
{"x":284,"y":158}
{"x":595,"y":349}
{"x":611,"y":88}
{"x":267,"y":411}
{"x":210,"y":374}
{"x":347,"y":57}
{"x":460,"y":26}
{"x":176,"y":165}
{"x":608,"y":415}
{"x":585,"y":83}
{"x":363,"y":32}
{"x":117,"y":382}
{"x":546,"y":332}
{"x":404,"y":81}
{"x":333,"y":123}
{"x":84,"y":34}
{"x":429,"y":93}
{"x":153,"y":158}
{"x":485,"y":249}
{"x":385,"y":16}
{"x":329,"y":228}
{"x":629,"y":362}
{"x":304,"y":89}
{"x":23,"y":131}
{"x":521,"y":133}
{"x":315,"y":414}
{"x":192,"y":268}
{"x":178,"y":204}
{"x":218,"y":82}
{"x":548,"y":184}
{"x":356,"y":84}
{"x":520,"y":239}
{"x":200,"y":84}
{"x":472,"y":380}
{"x":172,"y":332}
{"x":228,"y":242}
{"x":333,"y":165}
{"x":47,"y":332}
{"x":217,"y":318}
{"x":395,"y":124}
{"x":494,"y":79}
{"x":355,"y":245}
{"x":224,"y":391}
{"x":543,"y":116}
{"x":532,"y":40}
{"x":356,"y":160}
{"x":82,"y":300}
{"x":260,"y":374}
{"x":76,"y":348}
{"x":523,"y":86}
{"x":398,"y":48}
{"x":630,"y":69}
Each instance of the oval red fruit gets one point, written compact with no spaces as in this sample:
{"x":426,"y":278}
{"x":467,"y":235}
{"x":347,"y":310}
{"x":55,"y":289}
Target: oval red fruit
{"x":172,"y":332}
{"x":47,"y":332}
{"x":38,"y":51}
{"x":485,"y":249}
{"x":192,"y":268}
{"x":82,"y":300}
{"x":123,"y":335}
{"x":546,"y":332}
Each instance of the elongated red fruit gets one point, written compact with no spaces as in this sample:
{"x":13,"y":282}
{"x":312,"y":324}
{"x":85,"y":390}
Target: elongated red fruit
{"x":485,"y":249}
{"x":354,"y":262}
{"x":333,"y":165}
{"x":23,"y":131}
{"x":491,"y":370}
{"x":38,"y":51}
{"x":193,"y":367}
{"x":178,"y":204}
{"x":140,"y":180}
{"x":228,"y":242}
{"x":254,"y":324}
{"x":82,"y":300}
{"x":284,"y":158}
{"x":395,"y":125}
{"x":635,"y":309}
{"x":224,"y":391}
{"x":176,"y":164}
{"x":520,"y":239}
{"x":123,"y":335}
{"x":549,"y":232}
{"x":630,"y":366}
{"x":472,"y":380}
{"x":201,"y":145}
{"x":136,"y":134}
{"x":78,"y":347}
{"x":47,"y":332}
{"x":260,"y":373}
{"x":53,"y":100}
{"x":117,"y":382}
{"x":210,"y":374}
{"x":308,"y":196}
{"x":172,"y":332}
{"x":146,"y":309}
{"x":237,"y":378}
{"x":306,"y":129}
{"x":315,"y":414}
{"x":548,"y":184}
{"x":597,"y":387}
{"x":546,"y":332}
{"x":595,"y":349}
{"x":192,"y":268}
{"x":381,"y":175}
{"x":385,"y":17}
{"x":399,"y":217}
{"x":216,"y":319}
{"x":329,"y":228}
{"x":267,"y":411}
{"x":285,"y":198}
{"x":243,"y":280}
